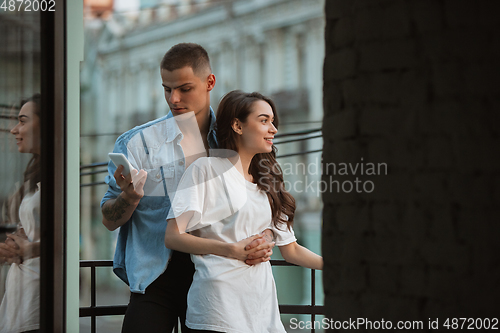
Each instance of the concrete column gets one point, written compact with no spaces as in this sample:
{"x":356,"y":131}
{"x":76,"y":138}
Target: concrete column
{"x":412,"y":84}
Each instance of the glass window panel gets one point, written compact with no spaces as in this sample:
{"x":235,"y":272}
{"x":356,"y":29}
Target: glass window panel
{"x":20,"y":105}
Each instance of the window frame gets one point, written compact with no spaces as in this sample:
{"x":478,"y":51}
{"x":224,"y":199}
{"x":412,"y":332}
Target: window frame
{"x":53,"y":170}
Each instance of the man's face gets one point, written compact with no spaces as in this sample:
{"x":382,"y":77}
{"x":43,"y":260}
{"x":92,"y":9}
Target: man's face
{"x":185,"y":91}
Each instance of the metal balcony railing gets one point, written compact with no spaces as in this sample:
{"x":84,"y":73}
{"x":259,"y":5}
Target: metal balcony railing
{"x":93,"y":311}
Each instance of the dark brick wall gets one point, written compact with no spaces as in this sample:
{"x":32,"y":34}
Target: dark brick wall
{"x":415,"y":85}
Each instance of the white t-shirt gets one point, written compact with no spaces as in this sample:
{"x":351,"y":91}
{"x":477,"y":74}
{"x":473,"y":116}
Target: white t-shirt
{"x":228,"y":295}
{"x":20,"y":307}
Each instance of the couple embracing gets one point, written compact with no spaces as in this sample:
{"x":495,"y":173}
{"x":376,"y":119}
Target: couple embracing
{"x":199,"y":220}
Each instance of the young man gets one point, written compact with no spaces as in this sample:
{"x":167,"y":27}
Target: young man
{"x":139,"y":203}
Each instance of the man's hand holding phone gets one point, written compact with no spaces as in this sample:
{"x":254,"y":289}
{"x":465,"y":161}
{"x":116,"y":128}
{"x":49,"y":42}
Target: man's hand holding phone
{"x":130,"y":181}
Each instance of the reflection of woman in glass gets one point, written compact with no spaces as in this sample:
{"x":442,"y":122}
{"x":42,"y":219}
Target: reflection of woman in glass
{"x":19,"y":310}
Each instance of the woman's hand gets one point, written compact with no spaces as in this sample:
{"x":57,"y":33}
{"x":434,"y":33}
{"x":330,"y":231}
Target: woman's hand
{"x":23,"y":248}
{"x":8,"y":250}
{"x":264,"y":247}
{"x":239,"y":250}
{"x":7,"y":253}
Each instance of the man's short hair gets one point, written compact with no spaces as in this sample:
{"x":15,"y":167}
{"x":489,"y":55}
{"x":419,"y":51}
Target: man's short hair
{"x":187,"y":54}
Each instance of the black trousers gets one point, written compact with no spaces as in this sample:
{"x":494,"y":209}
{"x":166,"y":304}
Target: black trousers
{"x":164,"y":302}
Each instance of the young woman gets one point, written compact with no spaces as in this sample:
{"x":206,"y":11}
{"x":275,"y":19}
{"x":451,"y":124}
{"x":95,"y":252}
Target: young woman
{"x":221,"y":201}
{"x":20,"y":307}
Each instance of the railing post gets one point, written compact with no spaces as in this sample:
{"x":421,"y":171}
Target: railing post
{"x":92,"y":298}
{"x":313,"y":298}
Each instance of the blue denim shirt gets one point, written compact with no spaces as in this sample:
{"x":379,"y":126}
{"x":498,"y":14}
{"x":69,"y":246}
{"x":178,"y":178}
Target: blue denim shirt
{"x":141,"y":255}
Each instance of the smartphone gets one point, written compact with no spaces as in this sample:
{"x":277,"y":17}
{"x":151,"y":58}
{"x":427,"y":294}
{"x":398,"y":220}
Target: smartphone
{"x":120,"y":159}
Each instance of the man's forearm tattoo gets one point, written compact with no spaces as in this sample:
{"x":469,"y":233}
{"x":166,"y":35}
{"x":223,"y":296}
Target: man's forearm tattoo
{"x":114,"y":211}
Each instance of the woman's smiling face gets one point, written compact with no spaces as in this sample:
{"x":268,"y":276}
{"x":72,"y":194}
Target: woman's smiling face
{"x":27,"y":130}
{"x":257,"y":132}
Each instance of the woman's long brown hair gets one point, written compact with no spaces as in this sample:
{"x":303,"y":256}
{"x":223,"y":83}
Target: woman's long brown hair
{"x":264,"y":168}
